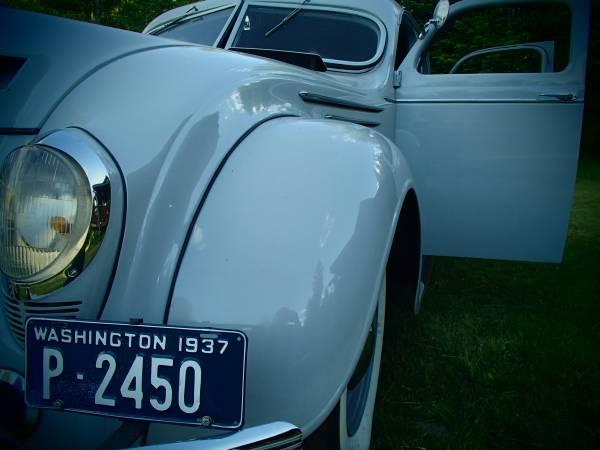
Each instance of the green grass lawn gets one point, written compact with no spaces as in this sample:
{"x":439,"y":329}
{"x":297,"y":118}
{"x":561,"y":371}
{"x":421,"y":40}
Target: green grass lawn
{"x":504,"y":355}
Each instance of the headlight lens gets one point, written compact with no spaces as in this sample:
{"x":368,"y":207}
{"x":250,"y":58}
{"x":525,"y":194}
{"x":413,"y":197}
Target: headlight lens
{"x":45,"y":213}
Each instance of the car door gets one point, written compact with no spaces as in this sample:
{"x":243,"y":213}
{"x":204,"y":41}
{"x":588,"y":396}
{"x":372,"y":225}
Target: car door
{"x":495,"y":151}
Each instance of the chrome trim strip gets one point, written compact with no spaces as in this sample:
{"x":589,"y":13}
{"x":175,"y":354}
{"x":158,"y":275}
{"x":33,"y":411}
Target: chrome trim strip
{"x":272,"y":436}
{"x":364,"y":123}
{"x":312,"y":97}
{"x":479,"y":100}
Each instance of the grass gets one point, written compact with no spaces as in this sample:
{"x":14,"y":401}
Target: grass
{"x":504,"y":355}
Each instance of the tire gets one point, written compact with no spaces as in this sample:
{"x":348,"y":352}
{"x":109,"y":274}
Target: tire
{"x":349,"y":424}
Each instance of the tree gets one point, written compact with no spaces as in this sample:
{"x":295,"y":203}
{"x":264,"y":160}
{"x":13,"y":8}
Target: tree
{"x":128,"y":14}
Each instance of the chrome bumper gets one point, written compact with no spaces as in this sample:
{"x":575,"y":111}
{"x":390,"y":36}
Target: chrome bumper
{"x":273,"y":436}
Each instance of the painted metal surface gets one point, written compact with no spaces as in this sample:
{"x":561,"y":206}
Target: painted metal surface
{"x":287,"y":261}
{"x":57,"y":58}
{"x":250,"y":208}
{"x":494,"y":160}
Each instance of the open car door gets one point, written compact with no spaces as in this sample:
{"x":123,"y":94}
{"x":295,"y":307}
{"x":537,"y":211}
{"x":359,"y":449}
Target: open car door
{"x":494,"y":148}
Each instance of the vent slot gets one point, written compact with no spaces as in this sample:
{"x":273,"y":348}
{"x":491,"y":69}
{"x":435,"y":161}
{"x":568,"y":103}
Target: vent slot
{"x":12,"y":308}
{"x":17,"y":313}
{"x":9,"y":66}
{"x":52,"y":311}
{"x":43,"y":305}
{"x":16,"y":316}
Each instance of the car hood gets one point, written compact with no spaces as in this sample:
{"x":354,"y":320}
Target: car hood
{"x":45,"y":57}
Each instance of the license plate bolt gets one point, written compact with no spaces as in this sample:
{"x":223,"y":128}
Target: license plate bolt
{"x":205,"y":421}
{"x":58,"y":404}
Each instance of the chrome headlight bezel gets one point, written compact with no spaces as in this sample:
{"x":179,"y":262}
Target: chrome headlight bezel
{"x":78,"y":150}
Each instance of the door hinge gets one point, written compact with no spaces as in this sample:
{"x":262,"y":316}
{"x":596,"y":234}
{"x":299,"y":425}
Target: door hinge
{"x":397,"y":79}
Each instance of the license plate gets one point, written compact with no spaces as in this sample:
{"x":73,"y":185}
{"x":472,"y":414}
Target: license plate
{"x":142,"y":372}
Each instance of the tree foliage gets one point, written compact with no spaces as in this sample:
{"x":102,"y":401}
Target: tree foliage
{"x":128,"y":14}
{"x":500,"y":27}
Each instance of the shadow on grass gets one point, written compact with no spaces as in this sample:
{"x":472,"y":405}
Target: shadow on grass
{"x":504,"y":355}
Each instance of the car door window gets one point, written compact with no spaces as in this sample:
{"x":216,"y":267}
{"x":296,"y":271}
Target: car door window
{"x":522,"y":58}
{"x":407,"y":36}
{"x":515,"y":39}
{"x":494,"y":153}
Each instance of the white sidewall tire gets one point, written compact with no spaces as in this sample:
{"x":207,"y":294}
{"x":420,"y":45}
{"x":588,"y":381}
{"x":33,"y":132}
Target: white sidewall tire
{"x":361,"y":440}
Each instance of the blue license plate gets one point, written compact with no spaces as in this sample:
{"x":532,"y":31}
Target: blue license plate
{"x":142,"y":372}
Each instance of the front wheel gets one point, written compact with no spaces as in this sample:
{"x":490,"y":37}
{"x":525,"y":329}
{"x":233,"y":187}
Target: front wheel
{"x":349,"y":424}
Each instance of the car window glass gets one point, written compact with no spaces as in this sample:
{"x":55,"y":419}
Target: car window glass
{"x":406,"y":39}
{"x":204,"y":29}
{"x":505,"y":61}
{"x":544,"y":27}
{"x":332,"y":35}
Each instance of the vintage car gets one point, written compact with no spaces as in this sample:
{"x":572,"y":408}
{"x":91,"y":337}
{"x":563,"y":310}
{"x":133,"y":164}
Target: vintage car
{"x":201,"y":224}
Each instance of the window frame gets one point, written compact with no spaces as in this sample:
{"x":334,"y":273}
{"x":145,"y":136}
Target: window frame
{"x":334,"y":65}
{"x":459,"y":11}
{"x":546,"y":60}
{"x":409,"y":21}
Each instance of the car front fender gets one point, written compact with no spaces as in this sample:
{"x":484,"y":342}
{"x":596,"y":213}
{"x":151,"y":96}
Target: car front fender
{"x":289,"y":246}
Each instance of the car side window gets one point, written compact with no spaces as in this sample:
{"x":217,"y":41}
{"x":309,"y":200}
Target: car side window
{"x":407,"y":36}
{"x":529,"y":38}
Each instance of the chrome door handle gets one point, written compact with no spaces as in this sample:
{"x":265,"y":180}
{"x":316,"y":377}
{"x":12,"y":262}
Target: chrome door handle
{"x":566,"y":97}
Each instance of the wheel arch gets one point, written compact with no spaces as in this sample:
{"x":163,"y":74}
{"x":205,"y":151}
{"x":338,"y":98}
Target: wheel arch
{"x":289,"y":247}
{"x":403,"y":273}
{"x":405,"y":261}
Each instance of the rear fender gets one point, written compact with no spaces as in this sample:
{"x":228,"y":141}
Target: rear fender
{"x":290,"y":246}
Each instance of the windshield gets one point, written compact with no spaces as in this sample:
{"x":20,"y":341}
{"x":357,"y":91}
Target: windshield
{"x":203,"y":29}
{"x":335,"y":36}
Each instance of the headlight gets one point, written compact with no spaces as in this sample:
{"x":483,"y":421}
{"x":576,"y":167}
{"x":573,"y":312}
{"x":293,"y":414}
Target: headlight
{"x":45,"y":213}
{"x":54,"y":210}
